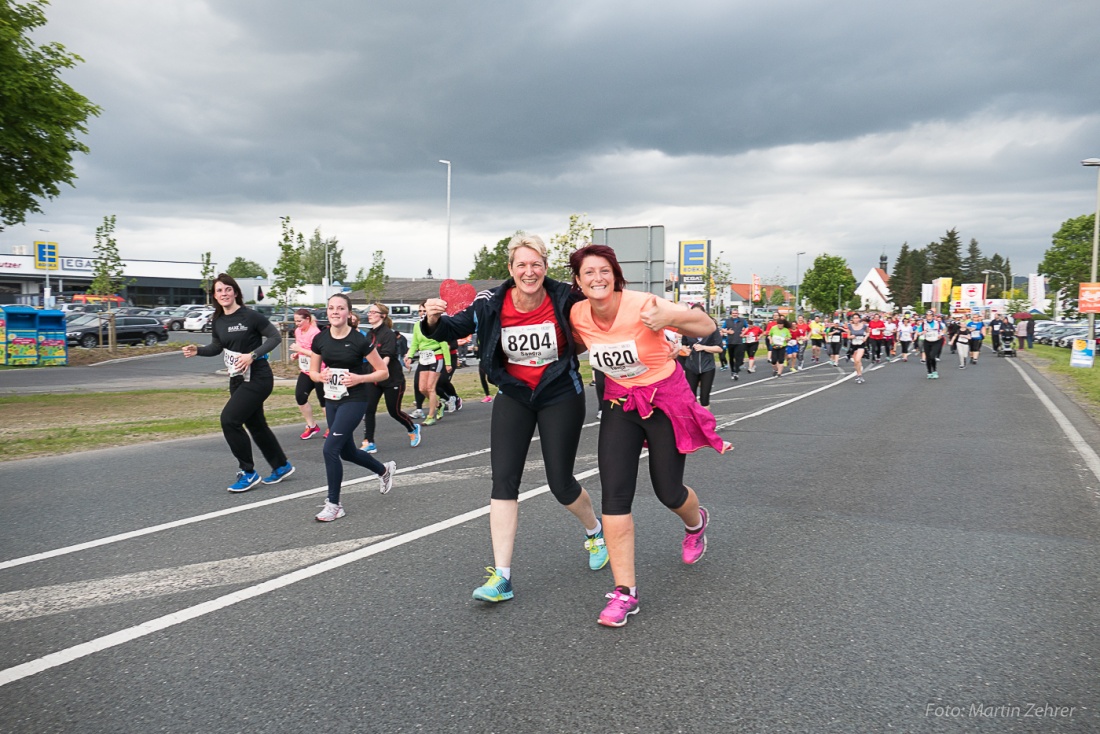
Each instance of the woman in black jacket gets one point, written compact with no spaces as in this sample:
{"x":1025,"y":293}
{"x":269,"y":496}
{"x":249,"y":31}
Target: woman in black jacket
{"x":527,"y":344}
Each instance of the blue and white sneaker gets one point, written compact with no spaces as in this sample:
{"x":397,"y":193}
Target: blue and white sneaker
{"x":245,"y":481}
{"x":496,"y":588}
{"x":414,"y":437}
{"x":369,"y":447}
{"x":279,"y":474}
{"x":597,"y":551}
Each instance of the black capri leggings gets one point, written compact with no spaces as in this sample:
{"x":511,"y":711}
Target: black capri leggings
{"x":621,"y":436}
{"x":932,"y":353}
{"x":513,"y":427}
{"x":245,"y":409}
{"x":342,"y":417}
{"x":700,"y":384}
{"x":778,"y":355}
{"x":304,"y":386}
{"x":393,"y":395}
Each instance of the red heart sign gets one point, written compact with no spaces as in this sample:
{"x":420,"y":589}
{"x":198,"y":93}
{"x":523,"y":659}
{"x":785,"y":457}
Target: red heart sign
{"x":458,"y":297}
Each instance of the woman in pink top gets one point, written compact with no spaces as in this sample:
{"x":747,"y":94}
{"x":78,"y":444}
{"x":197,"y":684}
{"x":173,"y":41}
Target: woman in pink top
{"x":646,"y":401}
{"x":305,"y":328}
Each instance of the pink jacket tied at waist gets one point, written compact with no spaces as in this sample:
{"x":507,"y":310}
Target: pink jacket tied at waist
{"x":693,"y":424}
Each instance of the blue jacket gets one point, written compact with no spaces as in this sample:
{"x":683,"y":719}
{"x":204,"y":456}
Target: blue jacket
{"x":483,"y":318}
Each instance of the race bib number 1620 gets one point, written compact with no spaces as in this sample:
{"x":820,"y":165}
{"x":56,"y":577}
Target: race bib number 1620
{"x":617,"y":360}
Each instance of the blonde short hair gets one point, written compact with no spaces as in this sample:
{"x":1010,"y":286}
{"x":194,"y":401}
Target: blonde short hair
{"x":532,"y":241}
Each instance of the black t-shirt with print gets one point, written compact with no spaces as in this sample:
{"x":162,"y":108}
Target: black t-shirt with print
{"x":345,"y":353}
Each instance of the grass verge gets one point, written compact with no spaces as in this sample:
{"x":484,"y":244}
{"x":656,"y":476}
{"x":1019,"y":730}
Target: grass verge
{"x":1081,"y":383}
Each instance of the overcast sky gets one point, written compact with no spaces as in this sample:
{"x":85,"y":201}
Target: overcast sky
{"x":770,"y":128}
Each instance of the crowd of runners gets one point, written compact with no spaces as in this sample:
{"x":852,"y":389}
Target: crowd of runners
{"x":654,"y":363}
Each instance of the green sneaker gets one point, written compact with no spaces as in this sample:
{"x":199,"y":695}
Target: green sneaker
{"x":597,"y":551}
{"x":496,"y":588}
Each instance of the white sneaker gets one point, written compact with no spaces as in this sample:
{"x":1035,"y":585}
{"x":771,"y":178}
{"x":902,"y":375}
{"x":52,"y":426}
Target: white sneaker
{"x":452,"y":404}
{"x":599,"y":414}
{"x":330,"y":513}
{"x":418,"y":413}
{"x":386,"y":480}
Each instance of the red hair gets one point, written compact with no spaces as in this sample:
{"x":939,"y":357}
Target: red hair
{"x":603,"y":251}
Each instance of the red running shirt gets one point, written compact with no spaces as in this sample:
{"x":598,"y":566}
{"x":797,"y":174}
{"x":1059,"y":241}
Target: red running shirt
{"x":530,"y":341}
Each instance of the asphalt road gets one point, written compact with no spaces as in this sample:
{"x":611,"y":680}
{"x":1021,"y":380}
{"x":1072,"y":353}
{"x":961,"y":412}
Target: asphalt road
{"x":903,"y":555}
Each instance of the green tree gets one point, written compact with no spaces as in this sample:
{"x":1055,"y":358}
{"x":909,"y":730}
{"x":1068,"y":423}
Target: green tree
{"x":945,"y":257}
{"x":40,"y":115}
{"x":313,"y":260}
{"x":241,"y":268}
{"x":108,"y":273}
{"x":206,"y":272}
{"x":973,"y":264}
{"x":717,"y":278}
{"x":492,"y":264}
{"x":905,"y":281}
{"x":563,"y":245}
{"x":287,"y":274}
{"x":998,"y":264}
{"x":372,"y":282}
{"x":778,"y":295}
{"x":1068,"y":261}
{"x":828,"y":276}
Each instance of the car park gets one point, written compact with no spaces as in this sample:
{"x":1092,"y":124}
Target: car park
{"x":172,"y":318}
{"x":128,"y":330}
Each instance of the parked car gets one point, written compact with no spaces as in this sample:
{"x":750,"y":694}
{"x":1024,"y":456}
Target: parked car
{"x":172,"y":318}
{"x":198,"y":320}
{"x":128,"y":330}
{"x":1066,"y":340}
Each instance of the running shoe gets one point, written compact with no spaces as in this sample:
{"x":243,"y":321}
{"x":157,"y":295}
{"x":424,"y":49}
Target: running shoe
{"x":487,"y":399}
{"x":597,"y":551}
{"x":496,"y":588}
{"x":430,"y":422}
{"x":326,"y":433}
{"x":279,"y":474}
{"x":414,"y":437}
{"x":310,"y":432}
{"x":929,"y":375}
{"x":935,"y":375}
{"x":619,"y":608}
{"x":331,"y":512}
{"x":599,"y":414}
{"x":369,"y":447}
{"x":458,"y":402}
{"x":452,"y":404}
{"x":245,"y":481}
{"x":418,"y":413}
{"x":859,"y":380}
{"x":695,"y":544}
{"x":439,"y":413}
{"x":385,"y":482}
{"x":962,"y":366}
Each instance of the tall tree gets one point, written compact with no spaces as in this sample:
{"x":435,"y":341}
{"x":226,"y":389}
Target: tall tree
{"x":563,"y":245}
{"x":826,"y":278}
{"x":241,"y":268}
{"x":945,"y":257}
{"x":313,"y":259}
{"x":973,"y":264}
{"x":1068,"y":261}
{"x":108,"y":273}
{"x":40,"y":115}
{"x":288,"y":277}
{"x":206,"y":273}
{"x":492,"y":264}
{"x":998,"y":264}
{"x":372,"y":282}
{"x":905,"y":281}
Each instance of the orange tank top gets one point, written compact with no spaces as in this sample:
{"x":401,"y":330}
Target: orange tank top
{"x":630,"y":353}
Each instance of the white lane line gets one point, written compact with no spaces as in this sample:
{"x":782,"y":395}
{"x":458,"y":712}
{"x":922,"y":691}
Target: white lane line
{"x":1075,"y":438}
{"x":45,"y":600}
{"x":217,"y":513}
{"x":76,"y":652}
{"x":795,"y":399}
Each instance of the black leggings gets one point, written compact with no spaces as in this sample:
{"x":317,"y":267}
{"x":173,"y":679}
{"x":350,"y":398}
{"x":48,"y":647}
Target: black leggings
{"x":484,"y":377}
{"x":621,"y":436}
{"x":601,"y":380}
{"x":778,"y":355}
{"x":737,"y":356}
{"x":343,"y":416}
{"x":512,"y":428}
{"x":834,"y":348}
{"x":305,"y":386}
{"x":393,"y":395}
{"x":932,"y":353}
{"x":700,"y":384}
{"x":444,"y":388}
{"x":750,"y":350}
{"x":877,"y":348}
{"x":245,"y":409}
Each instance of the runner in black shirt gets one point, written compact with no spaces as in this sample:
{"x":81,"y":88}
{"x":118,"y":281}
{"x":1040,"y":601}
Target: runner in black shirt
{"x":244,"y":338}
{"x":342,"y":350}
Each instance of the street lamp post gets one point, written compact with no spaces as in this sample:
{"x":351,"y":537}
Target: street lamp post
{"x":798,"y":282}
{"x":1004,"y":282}
{"x":448,"y":164}
{"x":1095,"y":239}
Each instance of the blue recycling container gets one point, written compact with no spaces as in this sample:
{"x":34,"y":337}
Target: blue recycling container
{"x":20,"y":335}
{"x":53,"y":349}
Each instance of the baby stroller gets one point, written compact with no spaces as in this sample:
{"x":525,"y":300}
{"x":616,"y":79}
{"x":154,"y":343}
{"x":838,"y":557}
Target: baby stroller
{"x":1008,"y":342}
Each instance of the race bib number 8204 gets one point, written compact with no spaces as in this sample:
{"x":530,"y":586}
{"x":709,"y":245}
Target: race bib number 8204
{"x":533,"y":345}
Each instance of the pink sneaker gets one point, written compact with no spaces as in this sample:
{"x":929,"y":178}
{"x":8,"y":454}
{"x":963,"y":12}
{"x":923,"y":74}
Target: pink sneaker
{"x":310,"y":432}
{"x":695,"y":544}
{"x":487,"y":399}
{"x":619,"y":609}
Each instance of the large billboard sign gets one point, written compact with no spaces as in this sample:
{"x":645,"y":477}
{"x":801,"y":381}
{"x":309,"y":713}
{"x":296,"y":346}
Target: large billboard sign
{"x":694,"y":262}
{"x":641,"y":253}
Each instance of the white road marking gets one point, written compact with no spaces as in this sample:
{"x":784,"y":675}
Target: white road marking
{"x":1075,"y":438}
{"x":30,"y":603}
